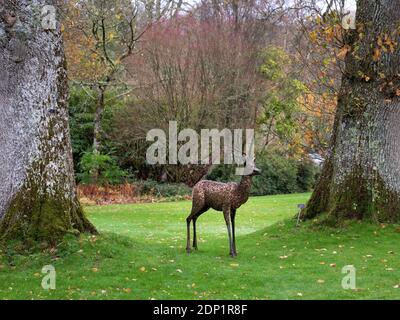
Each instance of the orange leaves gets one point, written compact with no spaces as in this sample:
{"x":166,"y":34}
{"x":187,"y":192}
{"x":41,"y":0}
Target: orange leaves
{"x":384,"y":44}
{"x":329,"y":33}
{"x":324,"y":34}
{"x":365,"y":77}
{"x":377,"y":54}
{"x":343,"y":52}
{"x":81,"y":48}
{"x":318,"y":112}
{"x":319,"y":105}
{"x":313,"y":36}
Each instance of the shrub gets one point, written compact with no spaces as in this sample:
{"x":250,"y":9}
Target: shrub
{"x":108,"y":170}
{"x":280,"y":175}
{"x":223,"y":173}
{"x":307,"y":175}
{"x":164,"y":190}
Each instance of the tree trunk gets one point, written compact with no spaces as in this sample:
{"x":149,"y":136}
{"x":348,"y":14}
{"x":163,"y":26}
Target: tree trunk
{"x":38,"y":198}
{"x":98,"y":117}
{"x":361,"y":177}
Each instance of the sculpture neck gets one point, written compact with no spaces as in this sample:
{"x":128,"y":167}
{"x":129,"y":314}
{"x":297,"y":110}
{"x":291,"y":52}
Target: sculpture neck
{"x":244,"y":188}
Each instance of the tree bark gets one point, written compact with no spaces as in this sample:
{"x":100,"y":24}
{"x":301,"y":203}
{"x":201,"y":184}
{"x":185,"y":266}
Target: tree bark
{"x":38,"y":198}
{"x":97,"y":130}
{"x":98,"y":117}
{"x":361,"y":177}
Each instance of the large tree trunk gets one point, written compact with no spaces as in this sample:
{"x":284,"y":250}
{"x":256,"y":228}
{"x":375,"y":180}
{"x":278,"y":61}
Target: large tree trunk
{"x":37,"y":191}
{"x":361,"y":177}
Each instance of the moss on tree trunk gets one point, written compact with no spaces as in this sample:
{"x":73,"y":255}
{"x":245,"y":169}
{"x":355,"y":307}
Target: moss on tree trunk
{"x":357,"y":197}
{"x":35,"y":215}
{"x":38,"y":198}
{"x":361,"y":177}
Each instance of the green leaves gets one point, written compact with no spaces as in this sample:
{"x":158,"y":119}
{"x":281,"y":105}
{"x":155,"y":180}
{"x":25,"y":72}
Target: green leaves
{"x":105,"y":165}
{"x":281,"y":101}
{"x":275,"y":60}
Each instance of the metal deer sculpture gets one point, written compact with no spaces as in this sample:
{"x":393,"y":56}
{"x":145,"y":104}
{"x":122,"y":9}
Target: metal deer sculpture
{"x":225,"y":197}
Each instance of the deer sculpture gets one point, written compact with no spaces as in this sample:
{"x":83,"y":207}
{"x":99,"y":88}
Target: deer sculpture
{"x":225,"y":197}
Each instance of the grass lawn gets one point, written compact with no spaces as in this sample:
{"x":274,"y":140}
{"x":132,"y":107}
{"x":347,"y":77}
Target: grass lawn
{"x":140,"y":254}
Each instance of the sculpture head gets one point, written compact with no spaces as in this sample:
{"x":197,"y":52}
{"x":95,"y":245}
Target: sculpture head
{"x":251,"y":168}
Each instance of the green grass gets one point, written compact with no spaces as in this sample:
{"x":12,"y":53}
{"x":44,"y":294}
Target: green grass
{"x":140,"y":254}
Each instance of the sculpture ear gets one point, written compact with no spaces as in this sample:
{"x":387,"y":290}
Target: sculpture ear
{"x":245,"y":158}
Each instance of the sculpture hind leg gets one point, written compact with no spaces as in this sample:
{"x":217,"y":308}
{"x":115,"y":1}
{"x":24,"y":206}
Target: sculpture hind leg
{"x":197,"y":209}
{"x":194,"y":233}
{"x":227,"y":216}
{"x":188,"y":219}
{"x":233,"y":215}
